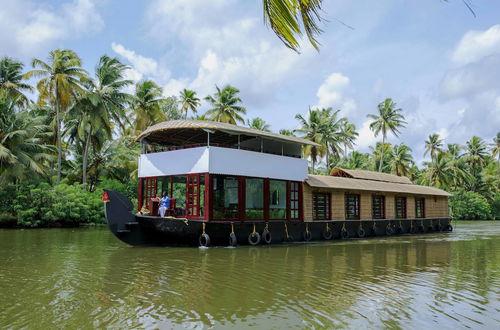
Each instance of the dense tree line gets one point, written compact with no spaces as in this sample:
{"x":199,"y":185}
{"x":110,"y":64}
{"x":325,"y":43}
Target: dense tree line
{"x":63,"y":129}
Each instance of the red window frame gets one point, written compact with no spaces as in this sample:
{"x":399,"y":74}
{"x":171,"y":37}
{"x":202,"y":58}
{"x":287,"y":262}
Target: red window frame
{"x":151,"y":189}
{"x":294,"y":198}
{"x":192,"y":195}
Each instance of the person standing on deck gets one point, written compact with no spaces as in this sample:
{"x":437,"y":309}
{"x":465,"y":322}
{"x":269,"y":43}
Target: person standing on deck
{"x":164,"y":204}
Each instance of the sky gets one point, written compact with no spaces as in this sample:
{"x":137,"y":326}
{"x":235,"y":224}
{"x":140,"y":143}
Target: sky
{"x":435,"y":59}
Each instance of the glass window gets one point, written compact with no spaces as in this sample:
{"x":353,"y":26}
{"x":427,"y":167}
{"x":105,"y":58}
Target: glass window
{"x":164,"y":185}
{"x":420,"y":207}
{"x":294,"y":200}
{"x":401,"y":207}
{"x":179,"y":191}
{"x":225,"y":194}
{"x":254,"y":198}
{"x":351,"y":206}
{"x":277,"y":199}
{"x":378,"y":207}
{"x":321,"y":206}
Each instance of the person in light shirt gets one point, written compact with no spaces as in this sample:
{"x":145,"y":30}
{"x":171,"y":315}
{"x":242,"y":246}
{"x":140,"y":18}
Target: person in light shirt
{"x":164,"y":204}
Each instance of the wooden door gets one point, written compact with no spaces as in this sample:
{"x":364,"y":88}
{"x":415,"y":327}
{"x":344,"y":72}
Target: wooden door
{"x":193,"y":195}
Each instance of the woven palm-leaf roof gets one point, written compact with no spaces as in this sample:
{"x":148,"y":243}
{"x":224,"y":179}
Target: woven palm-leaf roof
{"x":346,"y":183}
{"x":369,"y":175}
{"x":178,"y":131}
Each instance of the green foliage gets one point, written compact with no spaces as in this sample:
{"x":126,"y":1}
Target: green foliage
{"x":467,"y":205}
{"x":495,"y":207}
{"x":44,"y":205}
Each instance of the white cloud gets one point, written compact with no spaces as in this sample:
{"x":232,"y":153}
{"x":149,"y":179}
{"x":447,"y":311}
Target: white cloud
{"x":173,"y":87}
{"x":365,"y":137}
{"x":332,"y":93}
{"x":475,"y":45}
{"x":144,"y":65}
{"x":29,"y":26}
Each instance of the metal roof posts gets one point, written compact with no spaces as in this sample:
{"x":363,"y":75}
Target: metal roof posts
{"x":209,"y":131}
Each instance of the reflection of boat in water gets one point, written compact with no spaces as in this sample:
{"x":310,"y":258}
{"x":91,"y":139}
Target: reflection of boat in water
{"x":235,"y":185}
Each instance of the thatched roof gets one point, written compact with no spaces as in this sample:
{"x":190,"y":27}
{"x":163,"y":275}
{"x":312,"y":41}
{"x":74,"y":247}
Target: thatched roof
{"x":370,"y":175}
{"x":178,"y":132}
{"x":345,"y":183}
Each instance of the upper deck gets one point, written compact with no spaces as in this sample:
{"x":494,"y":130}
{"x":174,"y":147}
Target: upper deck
{"x":195,"y":146}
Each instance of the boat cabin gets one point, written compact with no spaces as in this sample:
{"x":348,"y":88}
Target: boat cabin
{"x":221,"y":172}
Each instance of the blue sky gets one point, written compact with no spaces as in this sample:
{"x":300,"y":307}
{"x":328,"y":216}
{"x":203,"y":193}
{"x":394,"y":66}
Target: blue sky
{"x":436,"y":60}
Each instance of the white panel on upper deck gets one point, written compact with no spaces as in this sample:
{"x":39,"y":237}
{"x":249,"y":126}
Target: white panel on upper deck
{"x":222,"y":161}
{"x":258,"y":164}
{"x":185,"y":161}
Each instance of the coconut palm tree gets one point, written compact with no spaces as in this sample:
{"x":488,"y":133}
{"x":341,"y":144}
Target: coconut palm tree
{"x":439,"y":172}
{"x":495,"y":148}
{"x":102,"y":105}
{"x":11,"y":80}
{"x":287,"y":18}
{"x":61,"y":80}
{"x":355,"y":160}
{"x":188,"y":101}
{"x":433,"y":145}
{"x":349,"y":135}
{"x":381,"y":153}
{"x":388,"y":119}
{"x":147,"y":105}
{"x":312,"y":130}
{"x":22,"y":151}
{"x":476,"y":152}
{"x":401,"y":160}
{"x":225,"y":108}
{"x":258,"y":123}
{"x":287,"y":132}
{"x":331,"y":133}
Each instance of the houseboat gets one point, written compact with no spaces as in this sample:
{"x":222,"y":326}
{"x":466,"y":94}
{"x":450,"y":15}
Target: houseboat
{"x":233,"y":185}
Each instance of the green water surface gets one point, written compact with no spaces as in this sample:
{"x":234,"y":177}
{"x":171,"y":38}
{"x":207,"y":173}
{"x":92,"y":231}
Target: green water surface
{"x":85,"y":278}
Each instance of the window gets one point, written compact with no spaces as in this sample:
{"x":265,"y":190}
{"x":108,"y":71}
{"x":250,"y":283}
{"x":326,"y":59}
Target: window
{"x":321,"y":206}
{"x":294,"y":200}
{"x":150,"y":190}
{"x":400,"y":207}
{"x":378,"y":207}
{"x":254,"y":198}
{"x":225,"y":197}
{"x":420,"y":207}
{"x":193,"y":195}
{"x":352,"y":206}
{"x":179,"y":191}
{"x":277,"y":199}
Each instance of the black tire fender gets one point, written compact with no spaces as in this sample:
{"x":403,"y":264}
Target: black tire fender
{"x":307,"y":236}
{"x":233,"y":241}
{"x":344,"y":233}
{"x":361,"y":232}
{"x":266,"y":236}
{"x":389,"y":230}
{"x":327,"y":234}
{"x":204,"y":240}
{"x":254,"y":238}
{"x":449,"y":228}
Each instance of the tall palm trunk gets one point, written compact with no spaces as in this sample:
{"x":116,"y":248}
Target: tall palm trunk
{"x":327,"y":159}
{"x":382,"y":155}
{"x":85,"y":157}
{"x":59,"y":142}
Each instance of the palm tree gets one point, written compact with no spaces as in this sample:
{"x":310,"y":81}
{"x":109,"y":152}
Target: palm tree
{"x":225,"y":108}
{"x":381,"y":153}
{"x":287,"y":132}
{"x":439,"y":172}
{"x":476,"y":152}
{"x":11,"y":79}
{"x":188,"y":101}
{"x":389,"y":118}
{"x":355,"y":160}
{"x":495,"y":148}
{"x":401,"y":160}
{"x":349,"y":135}
{"x":22,"y":151}
{"x":287,"y":18}
{"x":433,"y":145}
{"x":147,"y":105}
{"x":331,"y":133}
{"x":258,"y":123}
{"x":102,"y":104}
{"x":62,"y":77}
{"x":312,"y":130}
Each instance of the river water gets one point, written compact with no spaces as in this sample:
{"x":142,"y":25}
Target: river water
{"x":85,"y":278}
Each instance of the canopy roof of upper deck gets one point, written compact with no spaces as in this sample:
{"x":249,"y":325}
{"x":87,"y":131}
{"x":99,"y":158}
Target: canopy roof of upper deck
{"x":181,"y":132}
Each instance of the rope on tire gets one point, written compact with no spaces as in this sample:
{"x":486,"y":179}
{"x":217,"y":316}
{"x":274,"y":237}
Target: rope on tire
{"x":203,"y":228}
{"x":286,"y":231}
{"x":232,"y":228}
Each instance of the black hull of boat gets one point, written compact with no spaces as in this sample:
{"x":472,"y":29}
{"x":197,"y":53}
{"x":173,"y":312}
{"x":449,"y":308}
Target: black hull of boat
{"x":137,"y":229}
